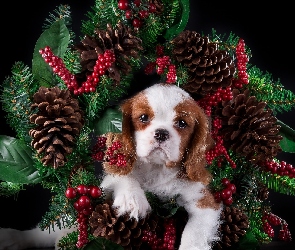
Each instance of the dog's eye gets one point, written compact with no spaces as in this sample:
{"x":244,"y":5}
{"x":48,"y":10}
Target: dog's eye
{"x":181,"y":124}
{"x":144,"y":118}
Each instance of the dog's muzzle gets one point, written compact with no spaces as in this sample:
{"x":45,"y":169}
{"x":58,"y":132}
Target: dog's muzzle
{"x":161,"y":135}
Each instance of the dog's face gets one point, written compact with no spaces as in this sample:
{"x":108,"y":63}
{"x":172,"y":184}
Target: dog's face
{"x":166,"y":125}
{"x":164,"y":119}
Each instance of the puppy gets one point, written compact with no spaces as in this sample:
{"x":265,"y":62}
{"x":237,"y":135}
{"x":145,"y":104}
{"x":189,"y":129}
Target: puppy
{"x":165,"y":135}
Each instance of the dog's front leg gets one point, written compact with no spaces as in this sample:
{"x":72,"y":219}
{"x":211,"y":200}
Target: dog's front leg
{"x":128,"y":195}
{"x":201,"y":230}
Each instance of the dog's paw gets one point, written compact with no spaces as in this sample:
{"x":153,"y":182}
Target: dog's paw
{"x":134,"y":204}
{"x":11,"y":239}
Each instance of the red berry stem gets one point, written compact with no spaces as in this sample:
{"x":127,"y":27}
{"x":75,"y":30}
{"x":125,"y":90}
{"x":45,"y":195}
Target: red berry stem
{"x":103,"y":62}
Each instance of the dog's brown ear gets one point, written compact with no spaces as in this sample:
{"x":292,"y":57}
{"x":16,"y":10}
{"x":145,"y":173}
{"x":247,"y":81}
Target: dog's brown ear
{"x":195,"y":160}
{"x":125,"y":139}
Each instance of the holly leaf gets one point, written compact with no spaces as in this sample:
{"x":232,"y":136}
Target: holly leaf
{"x":110,"y":121}
{"x":288,"y":142}
{"x":181,"y":22}
{"x":16,"y":162}
{"x":57,"y":37}
{"x":102,"y":243}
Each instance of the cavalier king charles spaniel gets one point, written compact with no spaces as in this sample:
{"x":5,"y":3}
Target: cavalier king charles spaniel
{"x":165,"y":136}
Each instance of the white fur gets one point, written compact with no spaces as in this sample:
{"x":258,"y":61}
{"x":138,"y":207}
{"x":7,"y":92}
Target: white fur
{"x":149,"y":174}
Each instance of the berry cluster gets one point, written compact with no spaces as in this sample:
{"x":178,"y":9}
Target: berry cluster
{"x":269,"y":220}
{"x":99,"y":148}
{"x":136,"y":11}
{"x":168,"y":241}
{"x":226,"y":194}
{"x":212,"y":100}
{"x":114,"y":156}
{"x":219,"y":149}
{"x":281,"y":168}
{"x":162,"y":64}
{"x":103,"y":62}
{"x":242,"y":60}
{"x":83,"y":205}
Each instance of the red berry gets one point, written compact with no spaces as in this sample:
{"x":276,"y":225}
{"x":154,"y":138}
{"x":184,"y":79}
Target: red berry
{"x":232,"y":187}
{"x":70,"y":193}
{"x":77,"y":206}
{"x":82,"y":189}
{"x":226,"y":193}
{"x":152,"y":8}
{"x":128,"y":14}
{"x":137,"y":3}
{"x":123,"y":5}
{"x":225,"y":182}
{"x":228,"y":201}
{"x":143,"y":14}
{"x":136,"y":23}
{"x":84,"y":201}
{"x":95,"y":192}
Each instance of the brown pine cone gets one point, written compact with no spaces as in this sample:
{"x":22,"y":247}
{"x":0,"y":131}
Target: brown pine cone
{"x":121,"y":230}
{"x":234,"y":226}
{"x":120,"y":40}
{"x":249,"y":128}
{"x":59,"y":120}
{"x":159,"y":6}
{"x":209,"y":68}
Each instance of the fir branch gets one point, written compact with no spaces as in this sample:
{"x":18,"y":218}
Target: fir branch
{"x":8,"y":189}
{"x":16,"y":99}
{"x":100,"y":15}
{"x":272,"y":92}
{"x":280,"y":184}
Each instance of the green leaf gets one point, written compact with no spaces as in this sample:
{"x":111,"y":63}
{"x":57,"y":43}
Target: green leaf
{"x":16,"y":162}
{"x":110,"y":121}
{"x":57,"y":37}
{"x":288,"y":142}
{"x":102,"y":243}
{"x":180,"y":23}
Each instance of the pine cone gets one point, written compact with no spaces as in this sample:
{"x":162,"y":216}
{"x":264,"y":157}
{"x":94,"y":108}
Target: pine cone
{"x":121,"y":230}
{"x":208,"y":67}
{"x":59,"y":120}
{"x":248,"y":128}
{"x":159,"y":6}
{"x":119,"y":40}
{"x":234,"y":226}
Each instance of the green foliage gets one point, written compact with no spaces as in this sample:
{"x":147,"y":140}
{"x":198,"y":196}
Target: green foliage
{"x":57,"y":37}
{"x":100,"y":15}
{"x":280,"y":184}
{"x":102,"y":243}
{"x":264,"y":88}
{"x":16,"y":162}
{"x":288,"y":142}
{"x":9,"y":188}
{"x":16,"y":95}
{"x":110,"y":121}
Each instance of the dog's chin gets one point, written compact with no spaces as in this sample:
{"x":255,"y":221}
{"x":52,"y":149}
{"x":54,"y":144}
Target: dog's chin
{"x":157,"y":156}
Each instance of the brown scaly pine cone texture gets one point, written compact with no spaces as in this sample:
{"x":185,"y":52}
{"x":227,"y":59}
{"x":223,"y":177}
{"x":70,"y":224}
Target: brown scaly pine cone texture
{"x":120,"y":40}
{"x":234,"y":226}
{"x":209,"y":68}
{"x":59,"y":120}
{"x":249,"y":128}
{"x":120,"y":230}
{"x":159,"y":6}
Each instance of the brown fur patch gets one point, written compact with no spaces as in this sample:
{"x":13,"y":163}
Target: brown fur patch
{"x":208,"y":201}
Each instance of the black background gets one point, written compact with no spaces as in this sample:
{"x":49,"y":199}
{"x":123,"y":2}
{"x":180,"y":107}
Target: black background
{"x":266,"y":28}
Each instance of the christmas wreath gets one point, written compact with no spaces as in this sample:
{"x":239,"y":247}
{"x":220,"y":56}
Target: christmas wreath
{"x":61,"y":105}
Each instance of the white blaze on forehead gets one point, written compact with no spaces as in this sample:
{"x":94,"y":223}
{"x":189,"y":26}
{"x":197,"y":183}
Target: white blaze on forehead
{"x":164,"y":98}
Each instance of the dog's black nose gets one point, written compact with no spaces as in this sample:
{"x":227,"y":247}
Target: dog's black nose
{"x":161,"y":135}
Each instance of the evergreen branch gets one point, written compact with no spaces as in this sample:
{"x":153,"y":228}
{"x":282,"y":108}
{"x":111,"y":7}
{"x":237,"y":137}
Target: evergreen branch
{"x":266,"y":89}
{"x":8,"y":189}
{"x":15,"y":98}
{"x":280,"y":184}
